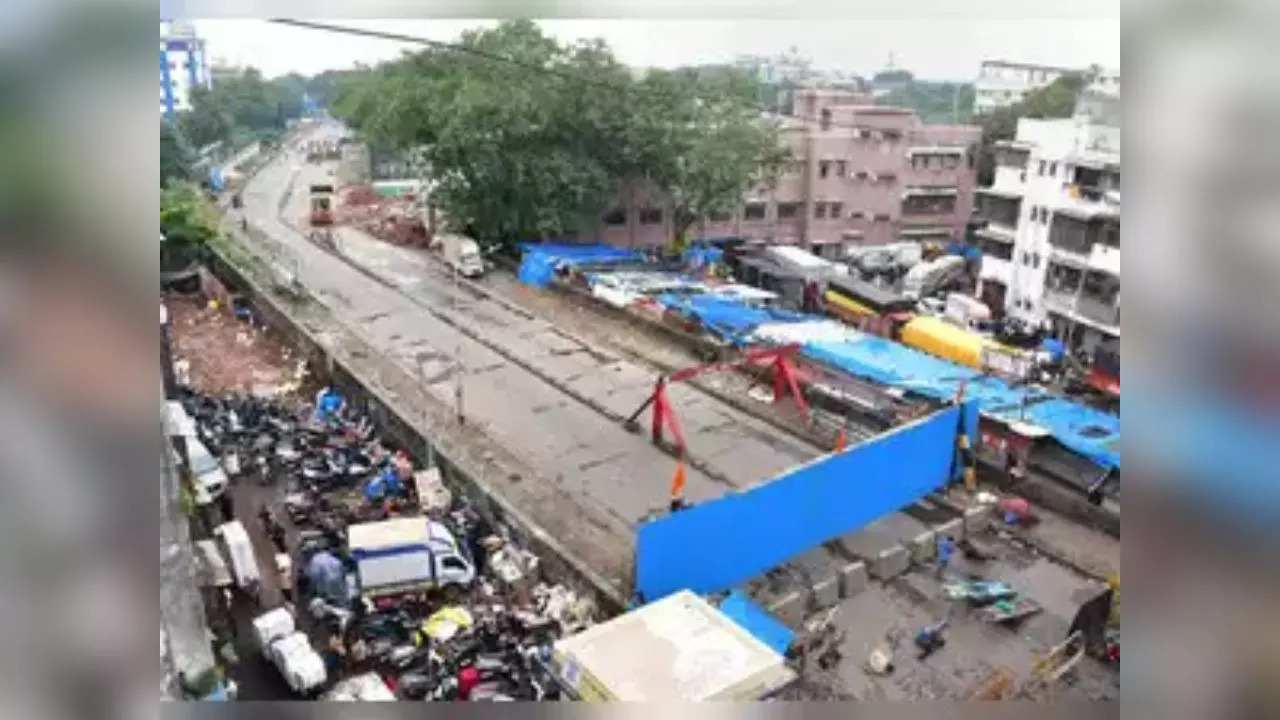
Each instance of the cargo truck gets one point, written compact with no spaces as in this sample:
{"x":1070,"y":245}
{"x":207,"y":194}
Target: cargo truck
{"x":407,"y":554}
{"x":461,"y":253}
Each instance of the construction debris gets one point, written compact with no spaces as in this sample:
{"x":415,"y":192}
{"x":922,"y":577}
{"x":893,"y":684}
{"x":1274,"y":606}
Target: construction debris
{"x":397,"y":220}
{"x":217,"y":350}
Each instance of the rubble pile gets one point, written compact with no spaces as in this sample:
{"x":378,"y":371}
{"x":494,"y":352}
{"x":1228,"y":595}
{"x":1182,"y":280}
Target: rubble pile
{"x":394,"y":220}
{"x":221,"y":349}
{"x":487,"y":638}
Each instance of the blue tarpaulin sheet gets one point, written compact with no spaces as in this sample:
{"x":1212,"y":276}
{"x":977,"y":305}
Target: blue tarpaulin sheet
{"x":1078,"y":427}
{"x":697,"y":256}
{"x":539,"y":262}
{"x":722,"y":543}
{"x":757,"y":621}
{"x":726,"y":318}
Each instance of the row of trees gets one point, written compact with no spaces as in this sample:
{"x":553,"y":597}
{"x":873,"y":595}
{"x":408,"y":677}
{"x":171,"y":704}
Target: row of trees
{"x":529,"y":138}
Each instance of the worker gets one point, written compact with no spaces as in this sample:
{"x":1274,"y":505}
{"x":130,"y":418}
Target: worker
{"x":678,"y":480}
{"x":929,"y":640}
{"x":1015,"y":510}
{"x":284,"y":568}
{"x":946,"y":548}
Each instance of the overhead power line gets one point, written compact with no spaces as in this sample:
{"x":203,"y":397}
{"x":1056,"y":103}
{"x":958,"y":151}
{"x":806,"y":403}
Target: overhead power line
{"x":493,"y":57}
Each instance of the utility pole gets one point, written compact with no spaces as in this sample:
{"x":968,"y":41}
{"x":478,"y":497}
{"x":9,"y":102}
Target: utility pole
{"x":458,"y":369}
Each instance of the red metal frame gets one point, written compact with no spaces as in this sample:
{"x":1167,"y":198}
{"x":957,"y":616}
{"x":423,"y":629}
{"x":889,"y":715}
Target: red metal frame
{"x":785,"y":380}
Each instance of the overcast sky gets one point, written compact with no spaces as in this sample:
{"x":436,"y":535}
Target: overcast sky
{"x":931,"y":47}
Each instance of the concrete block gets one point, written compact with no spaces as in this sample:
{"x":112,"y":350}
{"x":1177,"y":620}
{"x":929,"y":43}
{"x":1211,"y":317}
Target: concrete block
{"x":923,"y":547}
{"x":954,"y":528}
{"x":791,"y":609}
{"x":890,"y":563}
{"x":853,"y":579}
{"x":827,"y":592}
{"x":976,"y":518}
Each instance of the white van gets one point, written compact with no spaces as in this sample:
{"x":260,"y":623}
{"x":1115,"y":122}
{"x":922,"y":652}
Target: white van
{"x":239,"y":549}
{"x":209,"y":478}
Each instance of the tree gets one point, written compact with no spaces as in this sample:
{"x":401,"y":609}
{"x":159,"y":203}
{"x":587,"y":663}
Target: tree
{"x":934,"y":102}
{"x":1055,"y":100}
{"x":176,"y":156}
{"x":187,"y":222}
{"x":528,"y":138}
{"x":707,"y":142}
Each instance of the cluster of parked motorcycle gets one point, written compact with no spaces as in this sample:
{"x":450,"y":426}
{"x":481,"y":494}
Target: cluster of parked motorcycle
{"x":492,"y":651}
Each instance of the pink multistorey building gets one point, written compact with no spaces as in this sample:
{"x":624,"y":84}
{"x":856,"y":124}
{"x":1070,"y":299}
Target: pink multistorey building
{"x":863,"y":175}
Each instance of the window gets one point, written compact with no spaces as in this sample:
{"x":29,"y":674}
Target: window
{"x":834,"y":210}
{"x":1053,"y":169}
{"x":616,"y":216}
{"x":840,"y":168}
{"x":857,"y":215}
{"x":824,"y":167}
{"x":1026,"y":258}
{"x":826,"y":119}
{"x":452,"y":563}
{"x":860,"y":175}
{"x":1044,"y":216}
{"x":882,"y":217}
{"x":650,"y":216}
{"x":953,"y":162}
{"x":788,"y":210}
{"x":1035,"y":260}
{"x":720,"y":216}
{"x":1043,"y":166}
{"x":753,"y":211}
{"x":888,"y":178}
{"x":819,"y":210}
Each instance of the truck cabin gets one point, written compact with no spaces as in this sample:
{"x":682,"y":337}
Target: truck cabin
{"x":321,"y":203}
{"x":868,"y":306}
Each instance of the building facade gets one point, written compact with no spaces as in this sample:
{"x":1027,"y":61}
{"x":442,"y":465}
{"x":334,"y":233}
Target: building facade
{"x":863,"y":175}
{"x":184,"y":65}
{"x":1001,"y":83}
{"x":1051,"y":246}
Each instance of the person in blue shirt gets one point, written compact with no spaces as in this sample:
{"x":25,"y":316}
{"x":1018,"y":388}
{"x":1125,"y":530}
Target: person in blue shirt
{"x":946,"y":548}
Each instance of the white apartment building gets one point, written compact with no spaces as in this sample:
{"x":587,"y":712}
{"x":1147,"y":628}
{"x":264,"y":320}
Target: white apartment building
{"x":1051,"y":247}
{"x":1001,"y":83}
{"x":183,"y":65}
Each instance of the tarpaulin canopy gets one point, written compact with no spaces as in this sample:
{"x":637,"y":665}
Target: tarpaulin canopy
{"x":539,"y":262}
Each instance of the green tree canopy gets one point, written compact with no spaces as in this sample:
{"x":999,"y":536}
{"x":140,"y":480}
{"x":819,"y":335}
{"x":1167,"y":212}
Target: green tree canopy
{"x":934,"y":102}
{"x":187,"y":221}
{"x":1055,"y":100}
{"x":529,"y":138}
{"x":176,"y":155}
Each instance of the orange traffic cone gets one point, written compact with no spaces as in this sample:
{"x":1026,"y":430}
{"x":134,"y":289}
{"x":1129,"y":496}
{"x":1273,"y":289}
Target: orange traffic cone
{"x":678,"y":481}
{"x":842,"y":441}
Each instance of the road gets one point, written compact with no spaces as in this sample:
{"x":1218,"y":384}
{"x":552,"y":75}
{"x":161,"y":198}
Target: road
{"x":529,"y":387}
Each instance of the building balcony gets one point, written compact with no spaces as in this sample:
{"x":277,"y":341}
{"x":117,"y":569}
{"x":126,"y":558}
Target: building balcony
{"x":1083,"y":307}
{"x":1103,"y":313}
{"x":1007,"y":190}
{"x":1089,"y":203}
